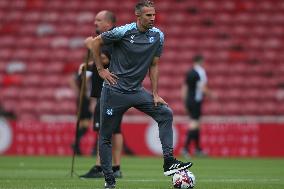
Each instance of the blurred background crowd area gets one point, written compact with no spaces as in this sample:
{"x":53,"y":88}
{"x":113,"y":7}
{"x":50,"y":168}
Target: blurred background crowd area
{"x":41,"y":46}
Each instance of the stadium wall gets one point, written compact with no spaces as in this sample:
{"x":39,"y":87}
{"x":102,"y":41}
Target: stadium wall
{"x":219,"y":138}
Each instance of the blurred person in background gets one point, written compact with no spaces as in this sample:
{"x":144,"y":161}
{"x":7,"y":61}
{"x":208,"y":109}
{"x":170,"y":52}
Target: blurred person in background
{"x":193,"y":92}
{"x":86,"y":111}
{"x":137,"y":48}
{"x":105,"y":20}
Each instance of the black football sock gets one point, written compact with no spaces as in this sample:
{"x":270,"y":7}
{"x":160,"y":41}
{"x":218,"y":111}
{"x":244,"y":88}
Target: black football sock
{"x":194,"y":136}
{"x":189,"y":138}
{"x":197,"y":140}
{"x":168,"y":159}
{"x":80,"y":134}
{"x":116,"y":168}
{"x":99,"y":168}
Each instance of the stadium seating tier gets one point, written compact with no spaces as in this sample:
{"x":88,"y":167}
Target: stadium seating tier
{"x":242,"y":41}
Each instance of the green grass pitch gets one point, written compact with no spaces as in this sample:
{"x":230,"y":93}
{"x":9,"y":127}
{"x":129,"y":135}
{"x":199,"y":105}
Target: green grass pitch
{"x":140,"y":173}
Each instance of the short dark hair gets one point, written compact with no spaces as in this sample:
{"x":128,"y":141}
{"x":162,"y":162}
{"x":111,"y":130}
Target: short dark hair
{"x":111,"y":17}
{"x":198,"y":58}
{"x":143,"y":3}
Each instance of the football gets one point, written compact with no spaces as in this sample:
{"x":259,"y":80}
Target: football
{"x":183,"y":179}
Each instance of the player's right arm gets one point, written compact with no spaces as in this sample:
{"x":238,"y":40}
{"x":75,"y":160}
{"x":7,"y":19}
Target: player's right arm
{"x":95,"y":45}
{"x":108,"y":37}
{"x":104,"y":73}
{"x":105,"y":62}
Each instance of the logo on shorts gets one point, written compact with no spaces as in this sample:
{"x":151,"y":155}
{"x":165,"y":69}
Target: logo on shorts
{"x":109,"y":111}
{"x":151,"y":39}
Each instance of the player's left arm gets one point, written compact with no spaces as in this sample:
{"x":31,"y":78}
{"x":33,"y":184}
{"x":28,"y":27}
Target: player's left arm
{"x":209,"y":93}
{"x":154,"y":77}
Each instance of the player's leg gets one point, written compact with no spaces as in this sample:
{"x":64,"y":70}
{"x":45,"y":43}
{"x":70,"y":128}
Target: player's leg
{"x":82,"y":130}
{"x":117,"y":142}
{"x":96,"y":128}
{"x":163,"y":115}
{"x":96,"y":124}
{"x":193,"y":109}
{"x":195,"y":128}
{"x":117,"y":148}
{"x":193,"y":133}
{"x":85,"y":120}
{"x":96,"y":171}
{"x":113,"y":106}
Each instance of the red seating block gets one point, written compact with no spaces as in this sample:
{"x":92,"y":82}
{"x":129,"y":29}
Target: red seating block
{"x":247,"y":80}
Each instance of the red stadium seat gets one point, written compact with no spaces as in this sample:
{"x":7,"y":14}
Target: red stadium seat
{"x":47,"y":36}
{"x":27,"y":106}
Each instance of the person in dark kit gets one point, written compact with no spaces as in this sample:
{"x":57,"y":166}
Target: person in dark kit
{"x":86,"y":113}
{"x":193,"y":91}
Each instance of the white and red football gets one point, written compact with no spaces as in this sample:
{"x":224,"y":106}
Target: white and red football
{"x":183,"y":179}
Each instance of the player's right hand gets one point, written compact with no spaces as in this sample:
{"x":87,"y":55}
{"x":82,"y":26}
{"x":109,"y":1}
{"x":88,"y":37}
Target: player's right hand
{"x":110,"y":78}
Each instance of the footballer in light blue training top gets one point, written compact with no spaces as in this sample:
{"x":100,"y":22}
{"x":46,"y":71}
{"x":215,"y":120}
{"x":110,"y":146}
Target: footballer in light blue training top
{"x":131,"y":68}
{"x":136,"y":50}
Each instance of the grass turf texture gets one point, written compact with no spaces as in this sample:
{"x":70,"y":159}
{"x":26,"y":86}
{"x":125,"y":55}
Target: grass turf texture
{"x":140,"y":172}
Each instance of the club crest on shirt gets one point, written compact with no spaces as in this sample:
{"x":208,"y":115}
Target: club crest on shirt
{"x":151,"y":39}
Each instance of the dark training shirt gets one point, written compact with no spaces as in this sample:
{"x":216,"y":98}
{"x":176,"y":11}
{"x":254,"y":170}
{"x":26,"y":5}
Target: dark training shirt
{"x":132,"y":55}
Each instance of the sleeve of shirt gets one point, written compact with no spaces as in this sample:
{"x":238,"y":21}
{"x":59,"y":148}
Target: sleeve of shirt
{"x":161,"y":46}
{"x":115,"y":34}
{"x":111,"y":36}
{"x":107,"y":50}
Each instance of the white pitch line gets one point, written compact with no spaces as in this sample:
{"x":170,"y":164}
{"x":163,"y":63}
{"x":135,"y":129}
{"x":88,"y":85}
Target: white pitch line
{"x":240,"y":180}
{"x":208,"y":180}
{"x":143,"y":180}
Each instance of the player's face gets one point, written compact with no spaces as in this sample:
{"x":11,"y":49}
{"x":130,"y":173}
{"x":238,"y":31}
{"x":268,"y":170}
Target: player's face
{"x":147,"y":17}
{"x":101,"y":23}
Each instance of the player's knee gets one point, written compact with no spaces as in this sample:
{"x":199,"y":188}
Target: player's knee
{"x":167,"y":113}
{"x":104,"y":141}
{"x":105,"y":137}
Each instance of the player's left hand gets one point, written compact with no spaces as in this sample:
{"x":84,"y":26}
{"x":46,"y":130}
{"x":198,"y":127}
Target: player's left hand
{"x":158,"y":99}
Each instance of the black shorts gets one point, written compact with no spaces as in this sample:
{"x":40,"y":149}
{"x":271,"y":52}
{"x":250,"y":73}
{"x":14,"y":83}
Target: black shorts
{"x":194,"y":109}
{"x":97,"y":128}
{"x":85,"y":111}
